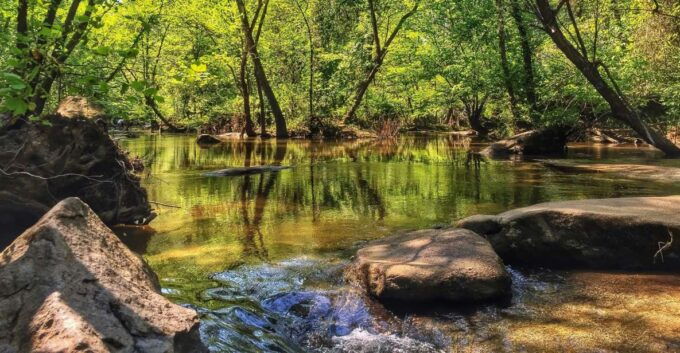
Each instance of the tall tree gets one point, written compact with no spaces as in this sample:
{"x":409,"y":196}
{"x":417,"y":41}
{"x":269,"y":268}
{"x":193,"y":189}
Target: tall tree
{"x":314,"y":124}
{"x":260,"y":75}
{"x":42,"y":51}
{"x":505,"y":66}
{"x":527,"y":59}
{"x":380,"y":51}
{"x":589,"y":65}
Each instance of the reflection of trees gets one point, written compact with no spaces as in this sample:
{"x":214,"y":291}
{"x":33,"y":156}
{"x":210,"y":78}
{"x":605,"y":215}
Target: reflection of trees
{"x":370,"y":194}
{"x":252,"y":238}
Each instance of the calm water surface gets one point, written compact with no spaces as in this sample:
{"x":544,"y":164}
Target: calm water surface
{"x":262,"y":256}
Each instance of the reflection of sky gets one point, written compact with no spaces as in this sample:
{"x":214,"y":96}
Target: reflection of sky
{"x":336,"y":195}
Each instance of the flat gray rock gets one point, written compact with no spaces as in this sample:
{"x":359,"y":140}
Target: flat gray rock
{"x":623,"y":233}
{"x":432,"y":264}
{"x":246,"y":170}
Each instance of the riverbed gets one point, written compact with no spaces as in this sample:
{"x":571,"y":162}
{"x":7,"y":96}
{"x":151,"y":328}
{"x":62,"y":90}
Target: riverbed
{"x":261,"y":257}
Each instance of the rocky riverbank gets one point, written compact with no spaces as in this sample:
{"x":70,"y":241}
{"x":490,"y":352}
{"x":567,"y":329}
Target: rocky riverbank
{"x":620,"y":234}
{"x":68,"y":284}
{"x":43,"y":163}
{"x":461,"y":265}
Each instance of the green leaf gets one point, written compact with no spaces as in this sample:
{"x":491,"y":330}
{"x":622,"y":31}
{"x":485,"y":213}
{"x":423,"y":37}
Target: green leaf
{"x":17,"y":105}
{"x":138,"y":85}
{"x":82,"y":18}
{"x":102,"y":50}
{"x":199,"y":68}
{"x":150,"y":91}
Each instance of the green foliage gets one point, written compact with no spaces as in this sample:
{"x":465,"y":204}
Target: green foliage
{"x":185,"y":56}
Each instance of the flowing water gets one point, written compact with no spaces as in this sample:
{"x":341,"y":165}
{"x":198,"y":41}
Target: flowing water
{"x":261,"y":257}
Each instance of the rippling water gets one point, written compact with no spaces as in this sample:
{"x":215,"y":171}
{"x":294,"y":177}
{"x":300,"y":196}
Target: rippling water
{"x":261,"y":257}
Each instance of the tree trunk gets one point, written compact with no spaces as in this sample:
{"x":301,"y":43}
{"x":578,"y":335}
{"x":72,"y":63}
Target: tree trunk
{"x":361,"y":91}
{"x":503,"y":50}
{"x":527,"y":58}
{"x":262,"y":116}
{"x":379,"y":56}
{"x":621,"y":110}
{"x":281,"y":129}
{"x":474,"y":109}
{"x":152,"y":104}
{"x":248,"y":127}
{"x":314,"y":125}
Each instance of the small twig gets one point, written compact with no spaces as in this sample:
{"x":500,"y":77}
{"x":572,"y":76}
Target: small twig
{"x":663,"y":246}
{"x":164,"y":204}
{"x":93,"y":178}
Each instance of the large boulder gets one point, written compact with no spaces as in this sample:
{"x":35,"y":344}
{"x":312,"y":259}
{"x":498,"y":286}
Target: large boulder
{"x":624,"y":233}
{"x":68,"y":284}
{"x":42,"y":163}
{"x":453,"y":265}
{"x":549,"y":141}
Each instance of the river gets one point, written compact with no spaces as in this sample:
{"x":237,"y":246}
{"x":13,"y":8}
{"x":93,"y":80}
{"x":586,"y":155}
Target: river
{"x":261,"y":257}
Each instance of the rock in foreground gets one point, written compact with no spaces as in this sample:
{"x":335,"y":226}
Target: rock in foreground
{"x":623,"y":233}
{"x":69,"y":285}
{"x":66,"y":158}
{"x":433,"y":264}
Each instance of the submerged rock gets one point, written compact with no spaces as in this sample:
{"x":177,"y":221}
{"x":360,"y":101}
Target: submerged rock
{"x":624,"y":233}
{"x":631,"y":171}
{"x":205,"y":139}
{"x":68,"y":284}
{"x":548,"y":141}
{"x":45,"y":163}
{"x":246,"y":170}
{"x":433,"y":264}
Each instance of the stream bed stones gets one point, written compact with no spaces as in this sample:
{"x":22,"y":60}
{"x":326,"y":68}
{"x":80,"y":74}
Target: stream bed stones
{"x":454,"y":265}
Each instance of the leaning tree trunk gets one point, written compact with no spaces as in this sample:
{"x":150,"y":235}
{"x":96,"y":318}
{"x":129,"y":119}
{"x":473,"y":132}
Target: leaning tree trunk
{"x":151,"y":103}
{"x":621,"y":109}
{"x":379,"y":56}
{"x":281,"y":129}
{"x":361,"y":91}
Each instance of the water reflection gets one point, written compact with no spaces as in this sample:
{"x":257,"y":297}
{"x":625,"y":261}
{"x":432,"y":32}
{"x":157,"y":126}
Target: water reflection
{"x":335,"y":194}
{"x":252,"y":238}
